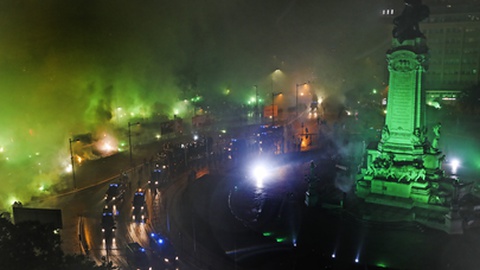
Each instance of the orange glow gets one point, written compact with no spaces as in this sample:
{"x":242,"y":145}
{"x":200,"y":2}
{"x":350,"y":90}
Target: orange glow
{"x":304,"y":143}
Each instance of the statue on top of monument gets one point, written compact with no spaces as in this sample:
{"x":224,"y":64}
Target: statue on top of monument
{"x":406,"y":25}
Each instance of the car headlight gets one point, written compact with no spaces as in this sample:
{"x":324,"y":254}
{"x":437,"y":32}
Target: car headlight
{"x":103,"y":229}
{"x":141,"y":208}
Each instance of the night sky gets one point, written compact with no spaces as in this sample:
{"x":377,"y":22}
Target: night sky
{"x":66,"y":66}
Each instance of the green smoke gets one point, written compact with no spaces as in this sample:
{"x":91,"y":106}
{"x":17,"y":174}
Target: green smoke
{"x":66,"y":67}
{"x":72,"y":67}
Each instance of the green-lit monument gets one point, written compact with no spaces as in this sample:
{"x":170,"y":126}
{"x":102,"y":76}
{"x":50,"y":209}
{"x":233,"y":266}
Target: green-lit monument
{"x":404,"y":168}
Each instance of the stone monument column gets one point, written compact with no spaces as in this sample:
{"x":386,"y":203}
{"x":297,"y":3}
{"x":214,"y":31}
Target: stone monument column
{"x":405,"y":119}
{"x":407,"y":61}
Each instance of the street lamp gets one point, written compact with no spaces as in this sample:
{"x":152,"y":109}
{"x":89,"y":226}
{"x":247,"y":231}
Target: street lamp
{"x":256,"y":103}
{"x":130,"y":140}
{"x":274,"y":94}
{"x":275,"y":73}
{"x":296,"y":95}
{"x":73,"y":162}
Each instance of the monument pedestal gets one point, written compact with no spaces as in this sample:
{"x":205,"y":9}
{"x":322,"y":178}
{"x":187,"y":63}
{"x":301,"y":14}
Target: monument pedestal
{"x":453,"y":222}
{"x":401,"y":166}
{"x":404,"y":168}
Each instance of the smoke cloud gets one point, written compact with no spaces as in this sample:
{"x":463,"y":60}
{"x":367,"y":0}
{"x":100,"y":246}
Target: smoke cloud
{"x":76,"y":67}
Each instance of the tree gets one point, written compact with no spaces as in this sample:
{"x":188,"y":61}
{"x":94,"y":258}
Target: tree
{"x":32,"y":245}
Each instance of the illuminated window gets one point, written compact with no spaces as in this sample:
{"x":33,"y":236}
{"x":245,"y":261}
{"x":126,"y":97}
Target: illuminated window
{"x":388,"y":11}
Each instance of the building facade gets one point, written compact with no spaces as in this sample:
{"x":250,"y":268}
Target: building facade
{"x":453,"y":35}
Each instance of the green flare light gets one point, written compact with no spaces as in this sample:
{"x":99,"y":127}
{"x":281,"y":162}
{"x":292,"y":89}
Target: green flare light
{"x":73,"y":87}
{"x":281,"y":239}
{"x":382,"y":265}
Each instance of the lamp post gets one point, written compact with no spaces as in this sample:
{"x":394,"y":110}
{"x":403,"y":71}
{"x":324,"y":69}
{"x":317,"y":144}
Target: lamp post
{"x":130,"y":140}
{"x":73,"y":162}
{"x":296,"y":95}
{"x":256,"y":103}
{"x":273,"y":106}
{"x":276,"y":71}
{"x":206,"y":148}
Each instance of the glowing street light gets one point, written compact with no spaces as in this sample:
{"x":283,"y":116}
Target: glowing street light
{"x":296,"y":95}
{"x":259,"y":173}
{"x":256,"y":103}
{"x":275,"y":73}
{"x":455,"y":163}
{"x":130,"y":140}
{"x":73,"y":162}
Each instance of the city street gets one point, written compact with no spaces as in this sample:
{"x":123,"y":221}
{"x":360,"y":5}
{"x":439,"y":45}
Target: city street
{"x":271,"y":228}
{"x":223,"y":218}
{"x":259,"y":135}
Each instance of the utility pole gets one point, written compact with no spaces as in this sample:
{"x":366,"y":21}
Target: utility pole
{"x":273,"y":106}
{"x":130,"y":140}
{"x":73,"y":162}
{"x":256,"y":103}
{"x":296,"y":96}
